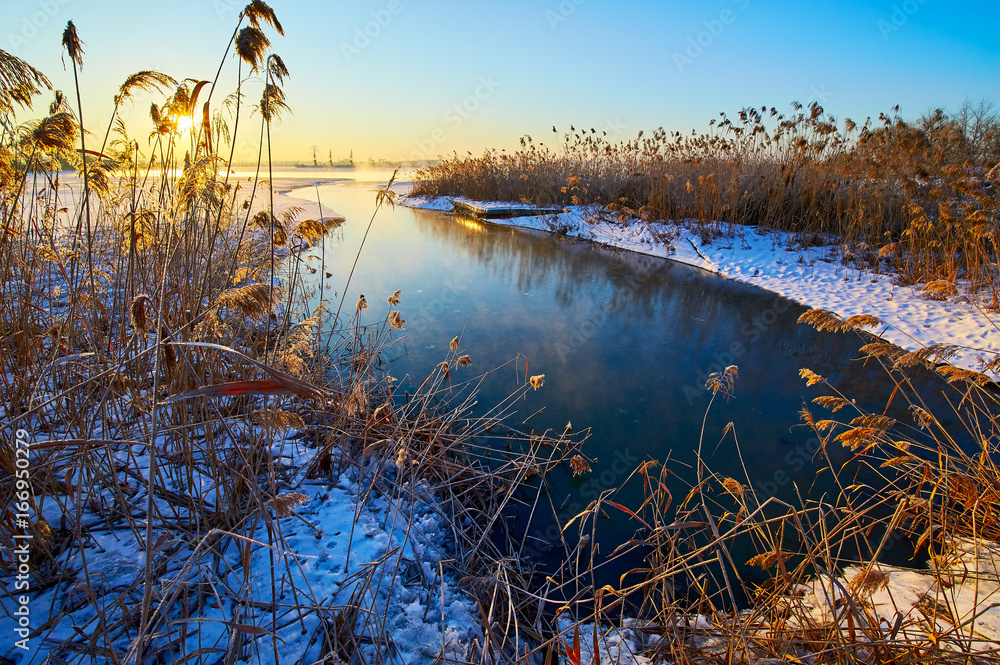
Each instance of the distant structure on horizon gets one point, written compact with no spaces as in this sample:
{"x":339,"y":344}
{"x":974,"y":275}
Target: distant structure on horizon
{"x":341,"y":163}
{"x":347,"y":163}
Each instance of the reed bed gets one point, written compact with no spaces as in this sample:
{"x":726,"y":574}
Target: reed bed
{"x":189,"y":417}
{"x":184,"y":413}
{"x":917,"y":198}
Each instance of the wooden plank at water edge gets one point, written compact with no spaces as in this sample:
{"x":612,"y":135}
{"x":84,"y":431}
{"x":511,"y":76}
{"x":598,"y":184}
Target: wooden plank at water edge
{"x":500,"y":210}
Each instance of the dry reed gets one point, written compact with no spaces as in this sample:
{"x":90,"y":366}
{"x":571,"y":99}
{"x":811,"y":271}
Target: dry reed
{"x":154,"y":341}
{"x":916,"y":198}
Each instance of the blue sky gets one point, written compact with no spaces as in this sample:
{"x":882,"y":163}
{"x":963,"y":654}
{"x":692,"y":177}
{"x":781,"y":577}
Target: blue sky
{"x":414,"y":78}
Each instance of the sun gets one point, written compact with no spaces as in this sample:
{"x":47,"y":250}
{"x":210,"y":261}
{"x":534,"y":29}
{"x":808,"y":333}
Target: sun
{"x":184,"y":124}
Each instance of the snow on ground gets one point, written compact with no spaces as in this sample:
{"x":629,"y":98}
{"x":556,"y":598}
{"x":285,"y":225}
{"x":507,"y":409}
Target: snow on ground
{"x":773,"y":260}
{"x":958,"y":599}
{"x":344,"y":547}
{"x":614,"y":645}
{"x":289,"y":190}
{"x":380,"y":554}
{"x":280,"y":194}
{"x":953,"y":606}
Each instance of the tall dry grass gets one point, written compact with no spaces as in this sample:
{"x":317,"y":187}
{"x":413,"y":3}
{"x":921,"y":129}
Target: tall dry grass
{"x":917,"y":198}
{"x":155,"y":343}
{"x":734,"y":575}
{"x":154,"y":338}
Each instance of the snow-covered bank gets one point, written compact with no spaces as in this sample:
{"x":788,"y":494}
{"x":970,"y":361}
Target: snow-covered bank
{"x":951,"y":608}
{"x":332,"y":546}
{"x":773,"y":260}
{"x":958,"y":600}
{"x":288,"y":195}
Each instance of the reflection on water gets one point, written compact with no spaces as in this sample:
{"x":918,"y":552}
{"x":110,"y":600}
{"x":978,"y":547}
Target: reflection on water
{"x":626,"y":342}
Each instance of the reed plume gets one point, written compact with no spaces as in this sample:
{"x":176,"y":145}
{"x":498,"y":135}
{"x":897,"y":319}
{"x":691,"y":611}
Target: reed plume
{"x":72,"y":44}
{"x":251,"y":45}
{"x":258,"y":12}
{"x":252,"y":300}
{"x":19,"y":82}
